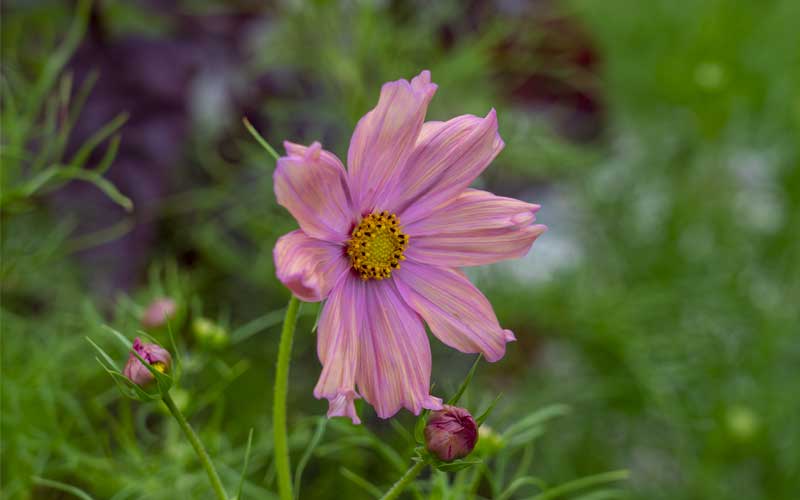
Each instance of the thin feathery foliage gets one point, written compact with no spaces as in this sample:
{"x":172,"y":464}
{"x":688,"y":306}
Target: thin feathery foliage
{"x":656,"y":322}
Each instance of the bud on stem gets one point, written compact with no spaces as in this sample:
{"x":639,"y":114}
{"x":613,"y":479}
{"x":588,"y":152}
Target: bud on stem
{"x":158,"y":357}
{"x":451,"y":433}
{"x":159,"y":312}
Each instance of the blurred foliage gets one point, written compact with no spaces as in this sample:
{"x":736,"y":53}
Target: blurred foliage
{"x":661,"y":306}
{"x":44,"y":111}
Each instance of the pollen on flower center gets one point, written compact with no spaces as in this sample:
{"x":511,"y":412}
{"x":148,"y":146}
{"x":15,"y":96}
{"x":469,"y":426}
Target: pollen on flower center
{"x":376,"y":246}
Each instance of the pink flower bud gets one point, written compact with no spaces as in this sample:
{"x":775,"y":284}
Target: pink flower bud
{"x":157,"y":356}
{"x":451,"y":433}
{"x":159,"y":312}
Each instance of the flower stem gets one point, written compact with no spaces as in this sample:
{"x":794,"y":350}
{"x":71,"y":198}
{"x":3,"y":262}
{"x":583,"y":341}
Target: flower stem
{"x":280,"y":437}
{"x":404,"y":481}
{"x":216,"y":484}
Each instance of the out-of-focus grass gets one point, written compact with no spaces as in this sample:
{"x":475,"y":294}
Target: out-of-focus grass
{"x":661,"y":306}
{"x":676,"y":324}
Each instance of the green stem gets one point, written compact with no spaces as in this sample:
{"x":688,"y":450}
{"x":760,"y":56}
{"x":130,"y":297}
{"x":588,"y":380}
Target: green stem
{"x":216,"y":484}
{"x":404,"y":481}
{"x":279,"y":401}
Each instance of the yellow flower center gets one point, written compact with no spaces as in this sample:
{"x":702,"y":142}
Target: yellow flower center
{"x":159,"y":366}
{"x":376,"y":246}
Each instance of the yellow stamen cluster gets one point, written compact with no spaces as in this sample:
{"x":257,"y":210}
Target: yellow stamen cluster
{"x":376,"y":246}
{"x":159,"y":366}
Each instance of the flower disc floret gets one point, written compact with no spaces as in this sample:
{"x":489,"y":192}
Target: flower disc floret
{"x":376,"y":246}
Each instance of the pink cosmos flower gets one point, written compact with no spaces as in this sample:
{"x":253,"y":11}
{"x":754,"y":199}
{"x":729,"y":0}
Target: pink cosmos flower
{"x":159,"y":312}
{"x":384,"y":242}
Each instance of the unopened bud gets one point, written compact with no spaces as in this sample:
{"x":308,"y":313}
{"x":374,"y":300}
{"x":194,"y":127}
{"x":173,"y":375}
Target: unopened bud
{"x":209,"y":333}
{"x":742,"y":423}
{"x":159,"y":312}
{"x":451,"y":433}
{"x":157,"y":356}
{"x":489,"y":441}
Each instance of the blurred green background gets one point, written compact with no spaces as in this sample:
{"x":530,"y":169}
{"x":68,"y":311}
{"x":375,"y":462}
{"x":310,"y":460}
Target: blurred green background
{"x":657,"y":318}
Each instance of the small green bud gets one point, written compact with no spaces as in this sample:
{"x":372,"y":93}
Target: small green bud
{"x":742,"y":422}
{"x":209,"y":334}
{"x":489,"y":442}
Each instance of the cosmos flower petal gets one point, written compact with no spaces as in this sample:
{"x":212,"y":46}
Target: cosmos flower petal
{"x":457,"y":313}
{"x":447,"y":157}
{"x":474,"y":248}
{"x":342,"y":406}
{"x":385,"y":137}
{"x":474,"y":229}
{"x":394,"y":365}
{"x":340,"y":325}
{"x":312,"y":185}
{"x":299,"y":150}
{"x":475,"y":210}
{"x":307,"y":266}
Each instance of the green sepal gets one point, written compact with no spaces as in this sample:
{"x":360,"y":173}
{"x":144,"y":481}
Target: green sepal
{"x":419,"y":427}
{"x":125,"y":386}
{"x":483,"y":416}
{"x":131,"y":390}
{"x":463,"y":387}
{"x":106,"y":362}
{"x":122,"y":339}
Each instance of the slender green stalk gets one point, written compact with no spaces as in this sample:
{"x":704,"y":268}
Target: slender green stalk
{"x":216,"y":484}
{"x":279,"y":432}
{"x":404,"y":481}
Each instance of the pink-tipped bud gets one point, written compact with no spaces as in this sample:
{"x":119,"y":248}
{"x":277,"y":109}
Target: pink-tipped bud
{"x":159,"y":312}
{"x":157,"y":356}
{"x":451,"y":433}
